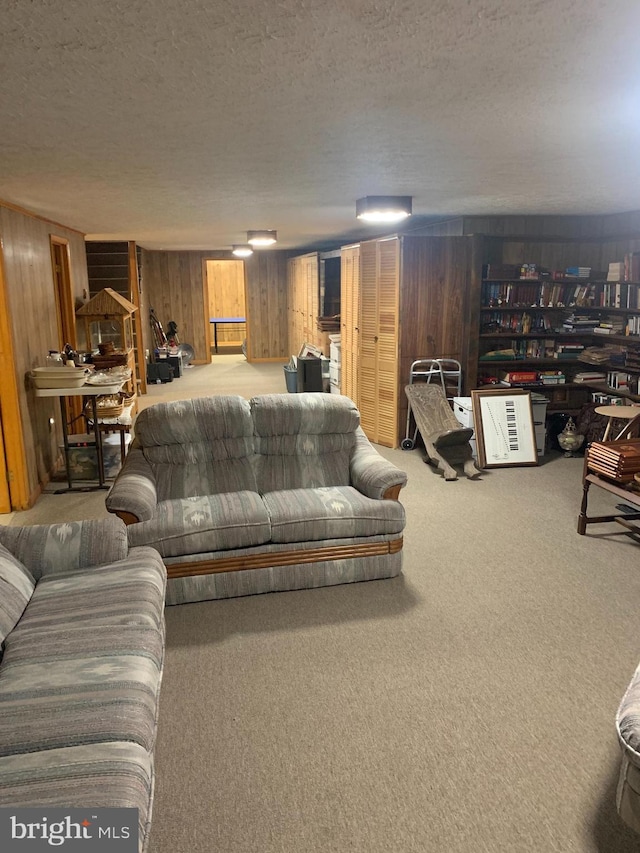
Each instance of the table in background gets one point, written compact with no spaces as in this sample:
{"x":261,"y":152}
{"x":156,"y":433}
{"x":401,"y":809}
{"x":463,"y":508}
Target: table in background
{"x":92,"y":391}
{"x":631,"y":414}
{"x":628,"y":495}
{"x":215,"y":321}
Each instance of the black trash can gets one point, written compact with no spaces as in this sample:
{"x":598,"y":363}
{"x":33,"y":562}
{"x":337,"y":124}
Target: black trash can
{"x":291,"y":378}
{"x":309,"y":374}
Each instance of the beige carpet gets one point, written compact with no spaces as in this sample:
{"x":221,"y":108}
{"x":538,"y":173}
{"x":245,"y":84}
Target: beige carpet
{"x":466,"y":706}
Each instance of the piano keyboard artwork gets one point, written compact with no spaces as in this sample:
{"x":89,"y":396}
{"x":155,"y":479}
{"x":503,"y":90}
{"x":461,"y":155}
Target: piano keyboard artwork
{"x":504,"y":427}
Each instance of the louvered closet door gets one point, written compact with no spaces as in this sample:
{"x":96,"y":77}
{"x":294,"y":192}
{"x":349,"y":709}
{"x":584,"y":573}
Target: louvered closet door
{"x":377,"y":376}
{"x":349,"y":322}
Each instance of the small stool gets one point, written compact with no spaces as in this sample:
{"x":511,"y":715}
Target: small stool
{"x":628,"y":413}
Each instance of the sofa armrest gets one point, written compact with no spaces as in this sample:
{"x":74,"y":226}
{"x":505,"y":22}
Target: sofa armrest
{"x":48,"y":548}
{"x":133,"y":496}
{"x":372,"y":474}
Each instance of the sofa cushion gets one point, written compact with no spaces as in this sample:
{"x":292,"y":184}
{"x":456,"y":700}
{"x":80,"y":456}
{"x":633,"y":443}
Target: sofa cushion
{"x":205,"y":523}
{"x":16,"y":588}
{"x":100,"y":775}
{"x":46,"y":548}
{"x":303,"y":440}
{"x":198,"y":447}
{"x":128,"y":592}
{"x":69,"y":686}
{"x":331,"y":512}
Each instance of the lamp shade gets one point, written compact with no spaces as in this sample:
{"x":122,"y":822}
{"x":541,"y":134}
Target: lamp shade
{"x":262,"y":238}
{"x":383,"y":208}
{"x":242,"y":250}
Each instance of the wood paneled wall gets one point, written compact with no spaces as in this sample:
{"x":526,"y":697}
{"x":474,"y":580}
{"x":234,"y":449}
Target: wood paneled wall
{"x":173,"y":284}
{"x":32,"y":309}
{"x":439,"y":303}
{"x":593,"y":227}
{"x":266,"y":294}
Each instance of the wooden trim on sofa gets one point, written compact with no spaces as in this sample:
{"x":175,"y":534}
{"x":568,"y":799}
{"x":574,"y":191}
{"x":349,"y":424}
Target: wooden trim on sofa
{"x":127,"y":517}
{"x":392,"y":493}
{"x":282,"y":558}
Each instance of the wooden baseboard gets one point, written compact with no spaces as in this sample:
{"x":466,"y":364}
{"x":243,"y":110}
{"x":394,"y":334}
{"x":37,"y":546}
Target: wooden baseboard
{"x":271,"y":559}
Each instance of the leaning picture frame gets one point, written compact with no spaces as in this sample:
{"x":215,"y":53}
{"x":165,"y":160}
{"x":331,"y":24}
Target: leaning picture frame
{"x":504,"y":428}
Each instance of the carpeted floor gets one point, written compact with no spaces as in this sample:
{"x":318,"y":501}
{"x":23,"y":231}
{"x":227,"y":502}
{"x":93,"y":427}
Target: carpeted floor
{"x":466,"y":706}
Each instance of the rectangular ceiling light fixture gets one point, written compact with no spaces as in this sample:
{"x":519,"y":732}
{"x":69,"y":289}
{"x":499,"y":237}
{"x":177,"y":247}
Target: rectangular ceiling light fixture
{"x":262,"y":238}
{"x":383,"y":208}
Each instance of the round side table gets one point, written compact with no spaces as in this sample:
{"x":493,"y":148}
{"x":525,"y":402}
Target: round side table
{"x":629,"y":413}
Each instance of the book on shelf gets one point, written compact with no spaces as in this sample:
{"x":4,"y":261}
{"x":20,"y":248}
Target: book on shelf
{"x":518,"y":377}
{"x":552,"y":377}
{"x":609,"y":330}
{"x":590,"y":376}
{"x":580,"y":272}
{"x":616,"y":271}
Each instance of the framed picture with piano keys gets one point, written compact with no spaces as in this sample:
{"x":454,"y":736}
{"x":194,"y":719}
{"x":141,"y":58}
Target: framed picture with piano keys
{"x":504,"y":429}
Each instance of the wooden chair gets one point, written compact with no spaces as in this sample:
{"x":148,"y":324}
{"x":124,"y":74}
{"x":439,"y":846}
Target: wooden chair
{"x":446,"y":442}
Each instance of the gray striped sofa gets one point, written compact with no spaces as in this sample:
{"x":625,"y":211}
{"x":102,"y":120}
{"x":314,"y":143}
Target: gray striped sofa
{"x":82,"y":634}
{"x":281,"y":492}
{"x":628,"y":728}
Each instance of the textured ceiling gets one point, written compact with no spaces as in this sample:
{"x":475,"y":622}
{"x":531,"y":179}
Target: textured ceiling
{"x":183,"y":123}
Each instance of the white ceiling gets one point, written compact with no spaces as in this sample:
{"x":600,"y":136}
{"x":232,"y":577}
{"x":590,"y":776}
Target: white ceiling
{"x":180,"y":124}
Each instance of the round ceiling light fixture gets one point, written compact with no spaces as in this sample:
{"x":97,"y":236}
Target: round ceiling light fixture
{"x":383,"y":208}
{"x":262,"y":238}
{"x":242,"y":250}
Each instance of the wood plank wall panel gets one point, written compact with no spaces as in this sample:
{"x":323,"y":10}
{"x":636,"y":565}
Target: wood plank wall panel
{"x":32,"y":307}
{"x":435,"y":304}
{"x":173,"y":284}
{"x":266,"y":295}
{"x":559,"y":255}
{"x":447,"y":228}
{"x":349,"y":320}
{"x":589,"y":227}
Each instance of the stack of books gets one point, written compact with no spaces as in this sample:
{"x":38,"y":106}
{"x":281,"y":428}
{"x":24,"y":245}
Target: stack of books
{"x":580,"y":323}
{"x":568,"y":351}
{"x":579,"y":272}
{"x":609,"y":327}
{"x":552,"y":377}
{"x":519,"y":377}
{"x":590,"y":376}
{"x":616,"y":460}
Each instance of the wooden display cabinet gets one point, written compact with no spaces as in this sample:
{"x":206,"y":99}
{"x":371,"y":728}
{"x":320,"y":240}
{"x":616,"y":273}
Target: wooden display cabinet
{"x":107,"y":322}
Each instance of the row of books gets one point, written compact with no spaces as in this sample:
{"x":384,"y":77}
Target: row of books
{"x":519,"y":322}
{"x":534,"y":348}
{"x":533,"y":272}
{"x":548,"y":294}
{"x":522,"y":378}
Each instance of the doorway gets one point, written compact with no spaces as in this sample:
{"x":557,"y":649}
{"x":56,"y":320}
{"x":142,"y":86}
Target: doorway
{"x":226,"y":306}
